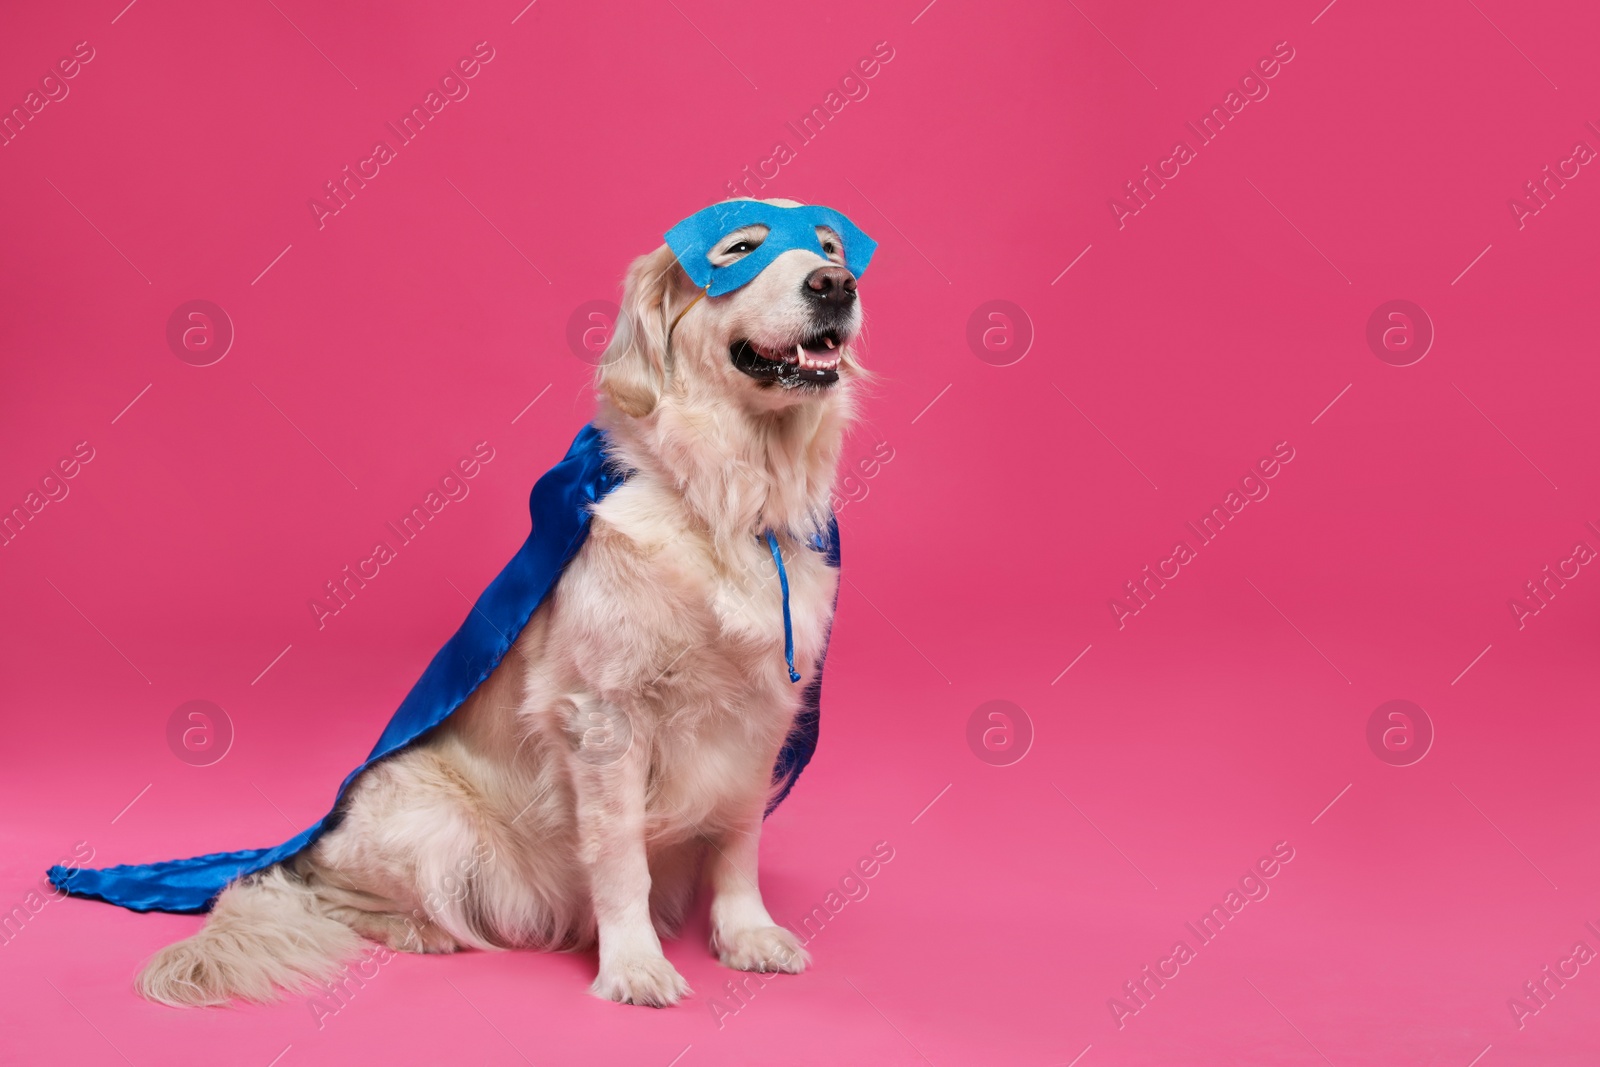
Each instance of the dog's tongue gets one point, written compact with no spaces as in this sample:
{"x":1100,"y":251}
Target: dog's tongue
{"x":805,"y":359}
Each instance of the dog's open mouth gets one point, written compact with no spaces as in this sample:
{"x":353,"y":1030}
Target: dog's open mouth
{"x":813,"y":362}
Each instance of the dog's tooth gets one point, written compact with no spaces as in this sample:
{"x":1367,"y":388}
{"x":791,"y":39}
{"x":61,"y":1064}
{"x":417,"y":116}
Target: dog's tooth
{"x":828,"y":341}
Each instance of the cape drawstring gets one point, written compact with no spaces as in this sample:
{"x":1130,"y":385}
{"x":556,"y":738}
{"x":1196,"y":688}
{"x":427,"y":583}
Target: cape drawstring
{"x":788,"y":626}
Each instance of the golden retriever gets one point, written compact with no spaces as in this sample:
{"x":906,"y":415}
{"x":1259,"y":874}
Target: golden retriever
{"x":625,"y":751}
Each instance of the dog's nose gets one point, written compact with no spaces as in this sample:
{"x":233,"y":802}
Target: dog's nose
{"x":831,"y":285}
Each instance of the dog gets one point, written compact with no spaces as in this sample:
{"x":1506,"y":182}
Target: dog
{"x":507,"y":827}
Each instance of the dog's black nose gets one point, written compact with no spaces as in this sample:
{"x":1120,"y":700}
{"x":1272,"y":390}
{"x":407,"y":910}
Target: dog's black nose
{"x":831,"y":285}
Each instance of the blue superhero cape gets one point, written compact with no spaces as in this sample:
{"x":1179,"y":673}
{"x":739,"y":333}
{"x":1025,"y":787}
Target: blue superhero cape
{"x":560,"y":507}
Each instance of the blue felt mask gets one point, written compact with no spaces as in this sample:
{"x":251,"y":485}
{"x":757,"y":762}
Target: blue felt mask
{"x":693,"y":239}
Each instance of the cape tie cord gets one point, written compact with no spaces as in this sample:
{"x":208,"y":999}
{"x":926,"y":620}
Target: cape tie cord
{"x":788,"y":626}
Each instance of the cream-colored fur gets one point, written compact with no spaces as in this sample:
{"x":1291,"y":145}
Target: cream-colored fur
{"x":623,"y":750}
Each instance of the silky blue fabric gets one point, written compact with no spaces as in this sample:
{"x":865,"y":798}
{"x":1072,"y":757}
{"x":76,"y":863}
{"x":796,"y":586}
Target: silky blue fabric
{"x":787,"y":227}
{"x":560,"y":507}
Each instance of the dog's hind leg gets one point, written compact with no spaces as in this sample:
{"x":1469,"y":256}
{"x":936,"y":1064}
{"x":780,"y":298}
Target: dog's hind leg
{"x":374,"y":917}
{"x":410,"y":859}
{"x":422,"y":862}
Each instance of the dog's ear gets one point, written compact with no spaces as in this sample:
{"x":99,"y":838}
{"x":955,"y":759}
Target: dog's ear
{"x":633,"y":370}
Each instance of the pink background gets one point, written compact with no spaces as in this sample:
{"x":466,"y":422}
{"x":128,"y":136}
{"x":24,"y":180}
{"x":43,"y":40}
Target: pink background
{"x":1223,"y":318}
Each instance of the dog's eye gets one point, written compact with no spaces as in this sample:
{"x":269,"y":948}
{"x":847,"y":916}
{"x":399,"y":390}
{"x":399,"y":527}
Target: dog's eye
{"x":829,"y":242}
{"x":741,"y":248}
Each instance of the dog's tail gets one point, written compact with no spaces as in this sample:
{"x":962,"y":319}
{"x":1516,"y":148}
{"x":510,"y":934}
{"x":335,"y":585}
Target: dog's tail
{"x":268,"y":933}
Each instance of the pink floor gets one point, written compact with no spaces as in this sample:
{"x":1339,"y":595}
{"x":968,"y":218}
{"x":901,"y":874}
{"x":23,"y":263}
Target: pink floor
{"x":1425,"y":535}
{"x":1008,"y":916}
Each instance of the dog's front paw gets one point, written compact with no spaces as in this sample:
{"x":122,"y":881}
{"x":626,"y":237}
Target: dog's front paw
{"x":760,"y":948}
{"x":647,"y":980}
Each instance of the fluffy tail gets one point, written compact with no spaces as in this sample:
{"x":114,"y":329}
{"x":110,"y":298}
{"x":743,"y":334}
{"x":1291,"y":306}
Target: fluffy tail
{"x":267,"y":933}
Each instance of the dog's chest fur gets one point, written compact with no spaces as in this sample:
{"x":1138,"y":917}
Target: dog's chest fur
{"x":688,"y":641}
{"x":728,"y":597}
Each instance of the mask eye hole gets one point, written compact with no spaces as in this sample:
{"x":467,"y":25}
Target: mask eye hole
{"x":832,"y":246}
{"x":738,"y":244}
